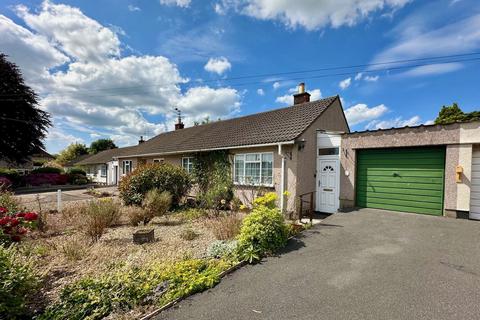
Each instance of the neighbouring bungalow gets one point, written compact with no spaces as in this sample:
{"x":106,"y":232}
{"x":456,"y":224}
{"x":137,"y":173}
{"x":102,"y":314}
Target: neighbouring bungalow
{"x":102,"y":167}
{"x":275,"y":150}
{"x":36,"y":160}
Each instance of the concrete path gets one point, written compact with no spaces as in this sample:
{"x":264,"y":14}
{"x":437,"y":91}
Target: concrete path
{"x":367,"y":264}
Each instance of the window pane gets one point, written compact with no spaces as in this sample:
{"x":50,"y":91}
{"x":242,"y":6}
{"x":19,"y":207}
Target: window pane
{"x":253,"y":157}
{"x":267,"y":168}
{"x":239,"y":166}
{"x":252,"y":173}
{"x":327,"y":151}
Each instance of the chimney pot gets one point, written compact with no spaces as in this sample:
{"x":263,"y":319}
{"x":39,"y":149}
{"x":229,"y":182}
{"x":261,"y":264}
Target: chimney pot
{"x":301,"y":96}
{"x":179,"y":126}
{"x":141,"y":140}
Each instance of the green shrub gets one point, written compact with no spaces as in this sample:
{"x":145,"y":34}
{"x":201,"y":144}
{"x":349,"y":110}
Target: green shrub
{"x":97,"y":297}
{"x":135,"y":215}
{"x":17,"y":282}
{"x":225,"y":227}
{"x":263,"y":232}
{"x":164,"y":177}
{"x":194,"y":213}
{"x":268,"y":200}
{"x":47,"y":170}
{"x":188,"y":234}
{"x":156,"y":204}
{"x":77,"y":171}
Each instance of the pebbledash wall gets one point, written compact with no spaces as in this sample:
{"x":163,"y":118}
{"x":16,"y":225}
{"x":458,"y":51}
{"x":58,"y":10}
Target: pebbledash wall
{"x":458,"y":138}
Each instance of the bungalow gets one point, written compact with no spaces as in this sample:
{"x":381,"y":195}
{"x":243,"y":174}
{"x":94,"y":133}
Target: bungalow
{"x":280,"y":150}
{"x":36,"y":160}
{"x":102,"y":167}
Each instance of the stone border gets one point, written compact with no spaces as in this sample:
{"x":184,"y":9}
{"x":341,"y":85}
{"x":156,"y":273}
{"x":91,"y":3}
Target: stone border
{"x":174,"y":302}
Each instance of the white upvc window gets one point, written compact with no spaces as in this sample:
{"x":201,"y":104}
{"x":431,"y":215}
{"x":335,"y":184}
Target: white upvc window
{"x":159,"y":160}
{"x":187,"y":164}
{"x":103,"y":170}
{"x":253,"y":169}
{"x":126,"y":166}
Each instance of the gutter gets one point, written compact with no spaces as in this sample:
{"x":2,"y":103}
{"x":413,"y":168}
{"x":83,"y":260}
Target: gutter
{"x":208,"y":149}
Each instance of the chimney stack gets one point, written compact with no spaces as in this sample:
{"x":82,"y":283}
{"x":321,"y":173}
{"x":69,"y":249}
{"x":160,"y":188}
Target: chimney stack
{"x":179,"y":125}
{"x":141,"y":140}
{"x":301,"y":96}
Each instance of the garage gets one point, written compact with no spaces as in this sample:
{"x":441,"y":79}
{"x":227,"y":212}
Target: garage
{"x":475,"y":188}
{"x":401,"y":179}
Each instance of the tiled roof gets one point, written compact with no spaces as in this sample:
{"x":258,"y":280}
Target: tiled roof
{"x":278,"y":125}
{"x":104,"y":156}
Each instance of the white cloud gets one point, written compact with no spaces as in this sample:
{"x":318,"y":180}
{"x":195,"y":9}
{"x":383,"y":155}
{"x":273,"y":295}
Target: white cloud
{"x":314,"y":14}
{"x":371,"y":78}
{"x":57,"y":139}
{"x":344,"y":84}
{"x":218,"y":65}
{"x":394,"y":123}
{"x":315,"y":94}
{"x":260,"y":92}
{"x":75,"y":34}
{"x":179,"y":3}
{"x":433,"y":69}
{"x":358,"y":76}
{"x":425,"y":33}
{"x":113,"y":98}
{"x":276,"y":85}
{"x":361,"y":112}
{"x":133,"y":8}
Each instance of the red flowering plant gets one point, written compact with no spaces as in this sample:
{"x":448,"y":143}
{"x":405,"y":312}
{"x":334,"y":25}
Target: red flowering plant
{"x":14,"y":225}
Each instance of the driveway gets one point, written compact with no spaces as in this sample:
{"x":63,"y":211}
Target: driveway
{"x":367,"y":264}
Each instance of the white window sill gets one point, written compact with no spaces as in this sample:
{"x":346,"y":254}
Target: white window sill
{"x":253,"y":185}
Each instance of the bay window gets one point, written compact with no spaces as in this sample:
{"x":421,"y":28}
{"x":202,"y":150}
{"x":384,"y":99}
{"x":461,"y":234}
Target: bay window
{"x":253,"y":169}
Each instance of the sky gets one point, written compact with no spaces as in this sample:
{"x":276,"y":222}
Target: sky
{"x":119,"y":68}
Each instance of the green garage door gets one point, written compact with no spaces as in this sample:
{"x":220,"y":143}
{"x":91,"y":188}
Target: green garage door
{"x":402,"y":179}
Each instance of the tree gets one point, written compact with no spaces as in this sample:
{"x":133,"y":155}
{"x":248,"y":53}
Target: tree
{"x":453,"y":113}
{"x":100,"y":145}
{"x":71,"y":152}
{"x":22,"y":125}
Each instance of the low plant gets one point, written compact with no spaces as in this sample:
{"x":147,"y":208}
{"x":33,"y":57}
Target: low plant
{"x":38,"y":179}
{"x":8,"y":201}
{"x":124,"y":288}
{"x":18,"y":280}
{"x":194,"y":213}
{"x":225,"y":227}
{"x":156,"y":203}
{"x":74,"y":248}
{"x":14,"y":225}
{"x":188,"y":234}
{"x":47,"y":170}
{"x":5,"y":183}
{"x":164,"y":177}
{"x":136,"y":215}
{"x":12,"y":175}
{"x":263,"y":232}
{"x":268,"y":200}
{"x":236,"y":204}
{"x":76,"y":170}
{"x":222,"y":248}
{"x":99,"y":215}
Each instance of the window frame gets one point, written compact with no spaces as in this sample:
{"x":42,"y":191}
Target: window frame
{"x":159,"y":160}
{"x":103,"y":170}
{"x":245,"y":161}
{"x":130,"y":166}
{"x":189,"y":168}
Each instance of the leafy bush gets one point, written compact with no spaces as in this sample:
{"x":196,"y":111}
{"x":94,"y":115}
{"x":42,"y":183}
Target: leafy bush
{"x":38,"y":179}
{"x":194,"y":213}
{"x":268,"y":200}
{"x":225,"y":227}
{"x":263,"y":232}
{"x":164,"y":177}
{"x":99,"y":215}
{"x":96,"y":297}
{"x":222,"y":248}
{"x":47,"y":170}
{"x":79,"y":171}
{"x":14,"y":225}
{"x":11,"y":175}
{"x":77,"y":179}
{"x":156,"y":203}
{"x":17,"y":282}
{"x":8,"y":201}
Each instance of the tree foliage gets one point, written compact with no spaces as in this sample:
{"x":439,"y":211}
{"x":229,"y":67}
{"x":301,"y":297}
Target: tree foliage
{"x":453,"y":113}
{"x":22,"y":125}
{"x":71,"y":152}
{"x":101,"y":145}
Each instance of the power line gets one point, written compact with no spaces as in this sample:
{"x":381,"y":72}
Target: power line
{"x":286,"y":79}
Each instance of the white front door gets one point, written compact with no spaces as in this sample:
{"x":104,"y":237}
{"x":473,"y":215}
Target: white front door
{"x":327,"y":185}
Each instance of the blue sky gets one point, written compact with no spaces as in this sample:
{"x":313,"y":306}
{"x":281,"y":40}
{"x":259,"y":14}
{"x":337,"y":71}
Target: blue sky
{"x":114,"y":68}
